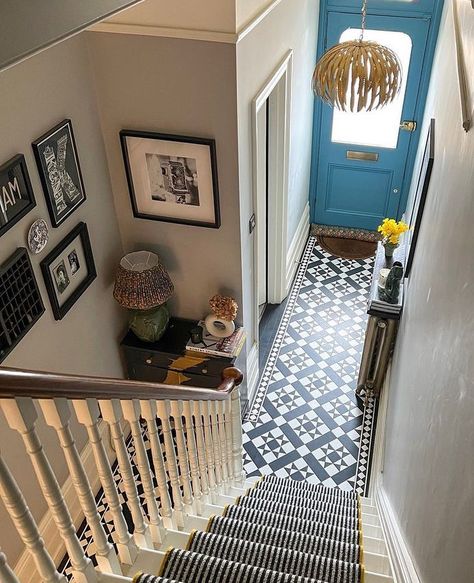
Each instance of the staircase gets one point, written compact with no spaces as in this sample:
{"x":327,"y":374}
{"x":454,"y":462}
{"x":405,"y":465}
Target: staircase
{"x":197,"y":518}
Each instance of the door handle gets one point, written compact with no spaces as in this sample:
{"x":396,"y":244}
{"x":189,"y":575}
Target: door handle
{"x":408,"y":125}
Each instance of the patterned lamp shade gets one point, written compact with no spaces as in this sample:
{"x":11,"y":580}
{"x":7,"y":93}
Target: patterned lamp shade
{"x":142,"y":283}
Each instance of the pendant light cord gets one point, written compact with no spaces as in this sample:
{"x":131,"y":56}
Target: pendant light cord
{"x":364,"y":18}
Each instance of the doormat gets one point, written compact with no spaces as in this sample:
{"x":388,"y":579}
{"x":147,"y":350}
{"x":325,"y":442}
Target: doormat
{"x":347,"y":248}
{"x":344,"y":233}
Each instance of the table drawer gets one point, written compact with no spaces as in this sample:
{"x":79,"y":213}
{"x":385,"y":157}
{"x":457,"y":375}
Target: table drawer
{"x":156,"y":374}
{"x":193,"y":364}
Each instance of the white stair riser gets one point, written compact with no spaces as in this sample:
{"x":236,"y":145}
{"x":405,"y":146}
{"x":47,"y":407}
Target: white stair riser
{"x":377,"y":563}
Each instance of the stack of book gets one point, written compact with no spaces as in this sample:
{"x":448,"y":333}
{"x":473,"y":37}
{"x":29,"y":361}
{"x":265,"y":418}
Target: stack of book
{"x":229,"y":347}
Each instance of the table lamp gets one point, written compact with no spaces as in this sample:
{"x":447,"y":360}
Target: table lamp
{"x":143,"y":286}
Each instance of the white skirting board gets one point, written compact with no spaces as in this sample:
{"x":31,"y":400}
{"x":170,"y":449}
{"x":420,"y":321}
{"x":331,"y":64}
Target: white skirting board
{"x":25,"y":568}
{"x":403,"y":567}
{"x":297,"y":246}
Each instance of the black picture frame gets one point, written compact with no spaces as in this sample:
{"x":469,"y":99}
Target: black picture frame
{"x":419,"y":200}
{"x":17,"y":198}
{"x":197,"y":195}
{"x":64,"y":186}
{"x":59,"y":254}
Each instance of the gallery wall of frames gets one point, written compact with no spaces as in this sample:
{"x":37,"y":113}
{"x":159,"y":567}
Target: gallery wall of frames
{"x":69,"y":268}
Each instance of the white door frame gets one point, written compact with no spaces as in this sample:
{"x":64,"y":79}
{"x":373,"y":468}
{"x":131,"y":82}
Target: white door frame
{"x":278,"y":89}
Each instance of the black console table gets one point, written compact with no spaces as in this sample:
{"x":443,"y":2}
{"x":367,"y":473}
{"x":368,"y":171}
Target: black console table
{"x":167,"y":361}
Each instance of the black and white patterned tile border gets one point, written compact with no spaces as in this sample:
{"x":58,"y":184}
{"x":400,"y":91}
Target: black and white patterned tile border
{"x":366,"y":448}
{"x":254,"y":410}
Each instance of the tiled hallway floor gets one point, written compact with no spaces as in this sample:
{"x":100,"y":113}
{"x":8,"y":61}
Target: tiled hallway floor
{"x":305,"y":421}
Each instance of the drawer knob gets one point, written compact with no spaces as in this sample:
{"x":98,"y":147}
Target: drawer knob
{"x":148,"y":361}
{"x":204,"y":371}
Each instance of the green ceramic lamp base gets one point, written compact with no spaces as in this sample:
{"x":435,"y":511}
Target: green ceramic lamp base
{"x":149,"y":325}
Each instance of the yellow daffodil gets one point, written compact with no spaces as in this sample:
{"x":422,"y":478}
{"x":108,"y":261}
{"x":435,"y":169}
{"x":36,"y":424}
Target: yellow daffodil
{"x":391,"y":230}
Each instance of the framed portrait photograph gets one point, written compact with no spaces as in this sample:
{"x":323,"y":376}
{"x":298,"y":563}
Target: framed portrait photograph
{"x":172,"y":178}
{"x":60,"y":172}
{"x":69,"y":270}
{"x":419,"y":200}
{"x":16,"y":195}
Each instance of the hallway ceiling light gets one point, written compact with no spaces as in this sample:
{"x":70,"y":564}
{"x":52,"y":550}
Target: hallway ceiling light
{"x":358,"y":75}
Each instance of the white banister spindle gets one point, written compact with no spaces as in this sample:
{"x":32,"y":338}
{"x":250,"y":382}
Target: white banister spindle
{"x":149,"y":413}
{"x":26,"y":527}
{"x":201,"y":450}
{"x":223,"y":441}
{"x":57,"y":413}
{"x":113,"y":416}
{"x":237,"y":448}
{"x":193,"y":456}
{"x":209,"y":447}
{"x":21,"y":414}
{"x":228,"y":437}
{"x":6,"y":574}
{"x":220,"y":440}
{"x":183,"y":461}
{"x":212,"y":414}
{"x":131,"y":412}
{"x":164,"y":412}
{"x":88,"y":413}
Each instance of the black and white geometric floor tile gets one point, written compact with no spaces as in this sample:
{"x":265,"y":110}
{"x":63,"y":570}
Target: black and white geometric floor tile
{"x":305,"y":421}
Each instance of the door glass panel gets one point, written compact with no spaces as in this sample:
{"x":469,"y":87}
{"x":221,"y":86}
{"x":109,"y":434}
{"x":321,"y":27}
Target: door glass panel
{"x":378,"y":128}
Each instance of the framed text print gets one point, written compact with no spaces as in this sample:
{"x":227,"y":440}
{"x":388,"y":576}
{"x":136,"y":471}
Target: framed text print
{"x":60,"y":173}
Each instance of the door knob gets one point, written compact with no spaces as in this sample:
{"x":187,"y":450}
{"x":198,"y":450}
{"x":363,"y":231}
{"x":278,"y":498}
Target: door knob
{"x":408,"y":125}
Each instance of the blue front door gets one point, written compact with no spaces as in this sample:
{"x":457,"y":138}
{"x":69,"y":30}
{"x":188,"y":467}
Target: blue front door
{"x":360,"y":175}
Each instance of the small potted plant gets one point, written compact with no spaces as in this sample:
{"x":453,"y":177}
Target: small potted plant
{"x":391,"y":230}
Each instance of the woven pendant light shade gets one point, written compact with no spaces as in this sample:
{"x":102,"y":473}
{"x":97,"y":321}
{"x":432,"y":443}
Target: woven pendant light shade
{"x":358,"y":75}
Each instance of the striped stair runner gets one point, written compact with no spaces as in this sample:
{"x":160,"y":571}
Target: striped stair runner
{"x":299,"y":506}
{"x":280,"y":531}
{"x":277,"y":537}
{"x":321,"y":529}
{"x":280,"y":559}
{"x":187,"y":566}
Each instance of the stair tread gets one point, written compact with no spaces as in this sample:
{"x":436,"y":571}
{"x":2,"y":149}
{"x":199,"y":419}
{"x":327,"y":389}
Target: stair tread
{"x":187,"y":566}
{"x":293,"y":523}
{"x":307,"y":543}
{"x":301,"y":485}
{"x":351,"y":521}
{"x":263,"y":555}
{"x":308,"y":502}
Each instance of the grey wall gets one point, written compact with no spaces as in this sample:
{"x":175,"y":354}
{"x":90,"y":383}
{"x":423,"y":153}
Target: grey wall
{"x":179,"y":87}
{"x":258,"y":55}
{"x":36,"y":95}
{"x":429,"y":451}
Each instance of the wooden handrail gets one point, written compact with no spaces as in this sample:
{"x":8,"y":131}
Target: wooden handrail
{"x":45,"y":385}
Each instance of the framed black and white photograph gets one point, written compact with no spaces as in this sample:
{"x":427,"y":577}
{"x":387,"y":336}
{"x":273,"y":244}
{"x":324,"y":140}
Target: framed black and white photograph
{"x":172,"y":178}
{"x":69,"y":270}
{"x":419,"y":200}
{"x":16,"y":195}
{"x":60,"y":172}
